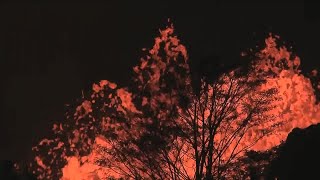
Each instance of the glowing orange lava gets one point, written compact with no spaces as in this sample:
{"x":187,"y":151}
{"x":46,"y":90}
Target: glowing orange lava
{"x":78,"y":146}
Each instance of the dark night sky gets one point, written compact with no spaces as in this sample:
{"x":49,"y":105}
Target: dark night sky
{"x":50,"y":52}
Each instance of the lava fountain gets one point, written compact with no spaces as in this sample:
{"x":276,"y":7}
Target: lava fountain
{"x":74,"y":150}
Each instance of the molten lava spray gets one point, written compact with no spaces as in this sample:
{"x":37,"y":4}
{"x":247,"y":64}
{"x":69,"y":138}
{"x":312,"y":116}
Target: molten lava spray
{"x":74,"y":150}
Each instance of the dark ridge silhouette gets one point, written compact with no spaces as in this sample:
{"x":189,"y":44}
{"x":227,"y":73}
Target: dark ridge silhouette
{"x":296,"y":158}
{"x":299,"y":156}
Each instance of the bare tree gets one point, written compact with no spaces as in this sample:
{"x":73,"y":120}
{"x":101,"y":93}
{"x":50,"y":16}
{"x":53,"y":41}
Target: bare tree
{"x":219,"y":119}
{"x":188,"y":135}
{"x":159,"y":127}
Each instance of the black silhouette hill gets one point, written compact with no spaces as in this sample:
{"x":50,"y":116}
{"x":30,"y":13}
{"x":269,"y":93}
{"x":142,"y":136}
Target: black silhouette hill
{"x":299,"y":156}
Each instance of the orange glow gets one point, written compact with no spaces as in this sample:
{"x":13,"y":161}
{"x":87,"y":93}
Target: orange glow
{"x":77,"y":147}
{"x":298,"y":107}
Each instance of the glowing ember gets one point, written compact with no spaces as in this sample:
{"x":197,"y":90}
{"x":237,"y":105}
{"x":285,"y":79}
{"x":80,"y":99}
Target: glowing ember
{"x":99,"y":118}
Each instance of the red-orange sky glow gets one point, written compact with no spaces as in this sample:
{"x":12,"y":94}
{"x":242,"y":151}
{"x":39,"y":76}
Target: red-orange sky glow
{"x":297,"y":107}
